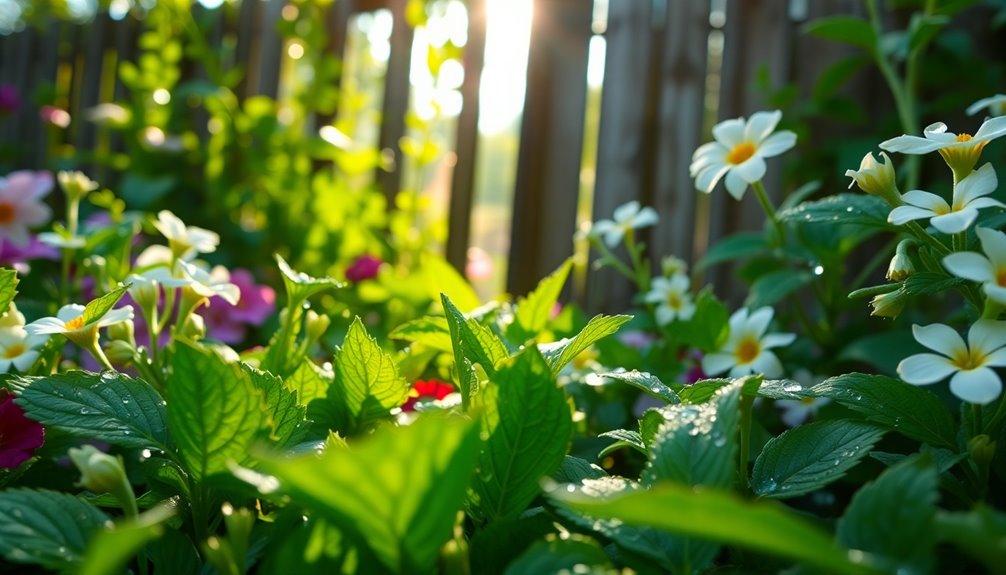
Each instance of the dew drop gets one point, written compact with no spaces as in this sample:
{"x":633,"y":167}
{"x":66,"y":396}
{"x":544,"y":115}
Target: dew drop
{"x":769,"y":485}
{"x":792,"y":387}
{"x":84,"y":411}
{"x":570,"y":488}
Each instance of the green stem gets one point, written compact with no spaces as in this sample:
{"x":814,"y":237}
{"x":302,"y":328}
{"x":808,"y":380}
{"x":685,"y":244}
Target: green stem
{"x":924,"y":236}
{"x":641,"y":272}
{"x":746,"y":407}
{"x":766,"y":205}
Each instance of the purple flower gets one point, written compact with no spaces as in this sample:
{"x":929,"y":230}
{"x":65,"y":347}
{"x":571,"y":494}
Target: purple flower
{"x":9,"y":99}
{"x":19,"y":436}
{"x":227,"y":322}
{"x":364,"y":268}
{"x":12,"y":254}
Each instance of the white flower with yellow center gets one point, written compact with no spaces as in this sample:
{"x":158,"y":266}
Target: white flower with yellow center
{"x":69,"y":321}
{"x":739,"y":152}
{"x":18,"y":349}
{"x":960,"y":151}
{"x":968,"y":364}
{"x":628,"y":216}
{"x":747,"y":347}
{"x":672,"y":297}
{"x":989,"y":269}
{"x":208,"y":283}
{"x":185,"y":241}
{"x":970,"y":195}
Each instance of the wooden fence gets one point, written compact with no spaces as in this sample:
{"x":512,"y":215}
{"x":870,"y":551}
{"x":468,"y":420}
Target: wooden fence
{"x":654,"y":110}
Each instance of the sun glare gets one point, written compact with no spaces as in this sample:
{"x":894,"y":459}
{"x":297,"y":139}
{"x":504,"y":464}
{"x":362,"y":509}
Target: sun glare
{"x":508,"y":34}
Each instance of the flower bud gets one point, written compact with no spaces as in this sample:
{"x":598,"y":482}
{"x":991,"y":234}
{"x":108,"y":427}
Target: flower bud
{"x":888,"y":304}
{"x":120,"y":352}
{"x":122,"y":331}
{"x":671,"y":265}
{"x":901,"y":265}
{"x":99,"y":471}
{"x":194,"y":328}
{"x":76,"y":185}
{"x":315,"y":325}
{"x":877,"y":178}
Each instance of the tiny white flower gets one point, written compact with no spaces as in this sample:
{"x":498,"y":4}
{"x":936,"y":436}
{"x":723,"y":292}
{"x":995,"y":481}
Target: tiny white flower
{"x":970,"y":195}
{"x":62,"y":240}
{"x":18,"y":349}
{"x":628,"y":216}
{"x":185,"y":241}
{"x":152,"y":256}
{"x":996,"y":105}
{"x":739,"y":152}
{"x":747,"y":347}
{"x":988,"y":269}
{"x":209,"y":283}
{"x":970,"y":364}
{"x":145,"y":287}
{"x":69,"y":321}
{"x":672,"y":297}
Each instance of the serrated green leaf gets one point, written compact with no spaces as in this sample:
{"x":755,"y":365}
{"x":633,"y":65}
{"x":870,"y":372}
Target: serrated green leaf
{"x":907,"y":409}
{"x":763,"y":526}
{"x":623,"y":438}
{"x":925,"y":283}
{"x":809,"y":457}
{"x":783,"y":389}
{"x":574,"y":469}
{"x":893,"y":516}
{"x":734,"y":247}
{"x":533,"y":311}
{"x":109,"y":407}
{"x":367,"y":377}
{"x":399,"y":490}
{"x":8,"y":288}
{"x":650,"y":422}
{"x":441,"y":279}
{"x":846,"y":29}
{"x":109,"y":551}
{"x":846,"y":209}
{"x":284,"y":415}
{"x":574,"y":554}
{"x":772,"y":287}
{"x":701,"y":391}
{"x":46,"y":528}
{"x":310,"y":382}
{"x":559,"y":353}
{"x":429,"y":331}
{"x":300,"y":286}
{"x":97,"y":308}
{"x":529,"y":426}
{"x":215,"y":412}
{"x":472,"y":344}
{"x":645,"y":381}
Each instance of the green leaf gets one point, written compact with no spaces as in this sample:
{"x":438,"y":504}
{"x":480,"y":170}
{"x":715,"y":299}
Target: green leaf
{"x":472,"y":343}
{"x":783,"y":389}
{"x":8,"y":288}
{"x":533,"y":311}
{"x":559,"y":353}
{"x":215,"y":412}
{"x":763,"y":526}
{"x":109,"y":407}
{"x":97,"y":308}
{"x":300,"y":286}
{"x":646,"y":382}
{"x":367,"y":377}
{"x":284,"y":415}
{"x":734,"y":247}
{"x":701,"y":391}
{"x":442,"y":280}
{"x":497,"y":544}
{"x":910,"y":410}
{"x":847,"y":209}
{"x":429,"y":331}
{"x":980,"y":532}
{"x":110,"y":551}
{"x":772,"y":287}
{"x":46,"y":528}
{"x":846,"y":29}
{"x":574,"y":469}
{"x":574,"y":554}
{"x":529,"y":426}
{"x":623,"y":438}
{"x":836,"y":76}
{"x":399,"y":491}
{"x":809,"y":457}
{"x":925,"y":283}
{"x":174,"y":553}
{"x":882,"y":351}
{"x":707,"y":326}
{"x":893,"y":516}
{"x":309,"y":382}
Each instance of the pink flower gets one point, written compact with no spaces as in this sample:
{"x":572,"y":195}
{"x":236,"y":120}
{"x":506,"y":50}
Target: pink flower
{"x":19,"y":436}
{"x":479,"y":266}
{"x":11,"y":254}
{"x":364,"y":268}
{"x":55,"y":116}
{"x":227,"y":322}
{"x":9,"y":99}
{"x":21,"y":204}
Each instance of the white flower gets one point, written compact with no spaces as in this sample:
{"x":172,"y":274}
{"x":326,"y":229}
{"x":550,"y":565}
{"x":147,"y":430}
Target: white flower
{"x":145,"y":287}
{"x":18,"y":349}
{"x":969,"y":196}
{"x":185,"y":241}
{"x":739,"y":152}
{"x":69,"y":321}
{"x":209,"y":283}
{"x":673,"y":298}
{"x":21,"y":204}
{"x":797,"y":411}
{"x":960,"y":151}
{"x":988,"y":269}
{"x":971,"y":365}
{"x":627,"y":217}
{"x":747,"y":347}
{"x":62,"y":240}
{"x":996,"y":105}
{"x":76,"y":185}
{"x":12,"y":317}
{"x":108,"y":113}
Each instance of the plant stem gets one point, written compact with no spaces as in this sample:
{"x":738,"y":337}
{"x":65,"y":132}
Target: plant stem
{"x":766,"y":205}
{"x":746,"y":406}
{"x":923,"y":235}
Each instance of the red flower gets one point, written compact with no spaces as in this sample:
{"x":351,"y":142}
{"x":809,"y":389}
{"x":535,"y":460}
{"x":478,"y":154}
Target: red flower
{"x":364,"y":268}
{"x":19,"y":436}
{"x":427,"y":391}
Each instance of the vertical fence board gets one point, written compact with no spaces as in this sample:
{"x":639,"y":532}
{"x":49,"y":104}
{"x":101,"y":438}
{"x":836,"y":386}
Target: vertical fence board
{"x":396,"y":98}
{"x":548,"y":164}
{"x":272,"y":50}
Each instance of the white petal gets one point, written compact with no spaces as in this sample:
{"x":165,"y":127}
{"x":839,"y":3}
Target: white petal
{"x":910,"y":145}
{"x":985,"y":202}
{"x":926,"y":200}
{"x":687,"y":311}
{"x":991,"y":128}
{"x":646,"y":217}
{"x":996,"y":292}
{"x":626,"y":211}
{"x":741,"y":370}
{"x":925,"y":368}
{"x":986,"y":336}
{"x":117,"y":315}
{"x":979,"y":386}
{"x":710,"y":176}
{"x":759,"y":319}
{"x":777,"y":340}
{"x":984,"y":102}
{"x":777,"y":143}
{"x":760,"y":125}
{"x":751,"y":170}
{"x":716,"y":363}
{"x":665,"y":315}
{"x":955,"y":222}
{"x":970,"y":266}
{"x":736,"y":184}
{"x":738,"y":320}
{"x":46,"y":325}
{"x":708,"y":151}
{"x":767,"y":363}
{"x":25,"y":360}
{"x":903,"y":214}
{"x":939,"y":337}
{"x":613,"y":236}
{"x":69,"y":311}
{"x":996,"y":359}
{"x":980,"y":182}
{"x":729,"y":132}
{"x":938,"y":131}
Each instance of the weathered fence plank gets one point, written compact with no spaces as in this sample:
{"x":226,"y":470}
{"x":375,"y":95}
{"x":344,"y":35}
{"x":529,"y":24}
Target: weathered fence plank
{"x":396,"y":98}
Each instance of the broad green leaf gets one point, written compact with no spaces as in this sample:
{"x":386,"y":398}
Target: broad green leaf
{"x":574,"y":554}
{"x":847,"y":209}
{"x":910,"y":410}
{"x":847,"y":29}
{"x":573,"y":470}
{"x":429,"y":331}
{"x":925,"y":283}
{"x":734,"y":247}
{"x":367,"y":377}
{"x":882,"y":351}
{"x":783,"y":389}
{"x":529,"y":426}
{"x":110,"y":551}
{"x":300,"y":286}
{"x":284,"y":416}
{"x":809,"y":457}
{"x":980,"y":532}
{"x":650,"y":423}
{"x":399,"y":490}
{"x":772,"y":287}
{"x":97,"y":308}
{"x":109,"y":407}
{"x":623,"y":438}
{"x":174,"y":553}
{"x":701,"y":391}
{"x":47,"y":528}
{"x":707,"y":326}
{"x":559,"y":353}
{"x":442,"y":280}
{"x":533,"y":311}
{"x":472,"y":344}
{"x":763,"y":526}
{"x":646,"y":382}
{"x":8,"y":288}
{"x":309,"y":381}
{"x":497,"y":544}
{"x":215,"y":412}
{"x":893,"y":516}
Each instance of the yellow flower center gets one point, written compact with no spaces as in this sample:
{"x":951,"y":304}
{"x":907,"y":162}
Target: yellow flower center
{"x":74,"y":324}
{"x":748,"y":350}
{"x":7,"y":213}
{"x":966,"y":360}
{"x":740,"y":153}
{"x":14,"y":351}
{"x":674,"y":301}
{"x":964,"y":137}
{"x":1001,"y":277}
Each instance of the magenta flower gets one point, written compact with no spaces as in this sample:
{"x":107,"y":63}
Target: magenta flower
{"x":227,"y":322}
{"x":56,"y":116}
{"x":19,"y":436}
{"x":364,"y":268}
{"x":12,"y":254}
{"x":9,"y":99}
{"x":21,"y":204}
